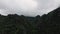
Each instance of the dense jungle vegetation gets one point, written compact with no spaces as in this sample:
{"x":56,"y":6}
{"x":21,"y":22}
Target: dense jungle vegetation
{"x":45,"y":24}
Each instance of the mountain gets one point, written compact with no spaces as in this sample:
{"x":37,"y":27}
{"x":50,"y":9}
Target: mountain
{"x":52,"y":22}
{"x":45,"y":24}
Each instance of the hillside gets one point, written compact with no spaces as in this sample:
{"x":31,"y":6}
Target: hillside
{"x":45,"y":24}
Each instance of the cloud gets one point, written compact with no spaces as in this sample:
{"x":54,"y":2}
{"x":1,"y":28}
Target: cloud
{"x":17,"y":6}
{"x":28,"y":7}
{"x":46,"y":6}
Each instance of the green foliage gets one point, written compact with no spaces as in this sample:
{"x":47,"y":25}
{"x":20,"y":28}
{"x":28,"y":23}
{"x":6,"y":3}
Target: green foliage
{"x":45,"y":24}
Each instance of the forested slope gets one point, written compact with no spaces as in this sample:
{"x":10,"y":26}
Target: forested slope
{"x":45,"y":24}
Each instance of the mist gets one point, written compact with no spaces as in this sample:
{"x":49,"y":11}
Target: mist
{"x":28,"y":7}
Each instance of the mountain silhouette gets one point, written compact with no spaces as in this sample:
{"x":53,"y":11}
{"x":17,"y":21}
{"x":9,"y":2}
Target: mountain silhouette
{"x":45,"y":24}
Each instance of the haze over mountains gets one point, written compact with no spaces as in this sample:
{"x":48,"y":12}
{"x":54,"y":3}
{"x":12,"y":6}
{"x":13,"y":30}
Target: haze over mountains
{"x":28,"y":7}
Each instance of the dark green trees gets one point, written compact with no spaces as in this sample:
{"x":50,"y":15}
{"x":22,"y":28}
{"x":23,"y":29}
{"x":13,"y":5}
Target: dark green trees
{"x":45,"y":24}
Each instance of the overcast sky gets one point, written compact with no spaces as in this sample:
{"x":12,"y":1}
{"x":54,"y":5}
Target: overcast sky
{"x":28,"y":7}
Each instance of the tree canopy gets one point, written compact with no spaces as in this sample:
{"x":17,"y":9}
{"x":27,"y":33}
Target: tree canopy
{"x":45,"y":24}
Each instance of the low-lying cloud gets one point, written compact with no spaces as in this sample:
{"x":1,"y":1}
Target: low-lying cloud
{"x":28,"y":7}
